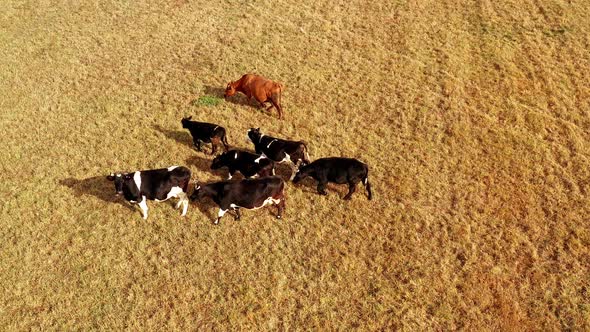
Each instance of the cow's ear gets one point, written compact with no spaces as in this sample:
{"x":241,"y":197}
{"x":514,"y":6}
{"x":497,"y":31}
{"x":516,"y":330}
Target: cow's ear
{"x":190,"y":117}
{"x":111,"y":177}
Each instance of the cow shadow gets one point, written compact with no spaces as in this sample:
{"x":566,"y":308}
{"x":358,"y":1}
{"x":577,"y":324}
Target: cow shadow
{"x":97,"y":186}
{"x":182,"y":137}
{"x":203,"y":163}
{"x":238,"y":99}
{"x":308,"y":185}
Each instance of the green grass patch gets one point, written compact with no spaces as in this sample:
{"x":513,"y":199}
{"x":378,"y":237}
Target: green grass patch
{"x":207,"y":101}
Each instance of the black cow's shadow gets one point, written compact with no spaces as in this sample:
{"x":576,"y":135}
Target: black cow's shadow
{"x":203,"y":163}
{"x":97,"y":186}
{"x":183,"y":137}
{"x":308,"y":185}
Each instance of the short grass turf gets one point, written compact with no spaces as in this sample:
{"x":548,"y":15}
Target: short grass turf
{"x":473,"y":117}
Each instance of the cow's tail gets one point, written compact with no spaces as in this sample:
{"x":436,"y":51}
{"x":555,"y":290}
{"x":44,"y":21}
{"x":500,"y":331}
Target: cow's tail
{"x":367,"y":184}
{"x":224,"y":141}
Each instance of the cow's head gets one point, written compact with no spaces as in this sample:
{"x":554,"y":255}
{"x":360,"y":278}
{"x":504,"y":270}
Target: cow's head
{"x":254,"y":135}
{"x":197,"y":193}
{"x":230,"y":90}
{"x":186,"y":121}
{"x":220,"y":160}
{"x":119,"y":179}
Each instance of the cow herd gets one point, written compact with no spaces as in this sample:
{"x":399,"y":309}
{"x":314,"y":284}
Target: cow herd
{"x":260,"y":186}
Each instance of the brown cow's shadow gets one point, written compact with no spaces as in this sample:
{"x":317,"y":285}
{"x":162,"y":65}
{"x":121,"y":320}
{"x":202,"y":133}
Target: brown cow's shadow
{"x":183,"y":137}
{"x":238,"y":99}
{"x":97,"y":186}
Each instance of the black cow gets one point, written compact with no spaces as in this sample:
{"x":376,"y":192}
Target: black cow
{"x":280,"y":150}
{"x":207,"y":133}
{"x":248,"y":194}
{"x":155,"y":184}
{"x":249,"y":164}
{"x":337,"y":170}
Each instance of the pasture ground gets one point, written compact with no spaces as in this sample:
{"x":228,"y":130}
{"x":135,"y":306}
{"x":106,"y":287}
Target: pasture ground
{"x":473,"y":116}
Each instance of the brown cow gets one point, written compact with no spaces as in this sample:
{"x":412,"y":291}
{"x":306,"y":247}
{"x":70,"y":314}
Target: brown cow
{"x":263,"y":90}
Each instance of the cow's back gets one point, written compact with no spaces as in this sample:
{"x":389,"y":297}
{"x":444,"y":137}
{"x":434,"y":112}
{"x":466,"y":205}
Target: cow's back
{"x":256,"y":83}
{"x":249,"y":193}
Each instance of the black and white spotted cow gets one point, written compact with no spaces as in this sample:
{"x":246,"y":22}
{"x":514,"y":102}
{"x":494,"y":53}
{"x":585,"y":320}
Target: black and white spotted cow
{"x":279,"y":150}
{"x":155,"y":184}
{"x":249,"y":164}
{"x":248,"y":194}
{"x":207,"y":133}
{"x":336,"y":170}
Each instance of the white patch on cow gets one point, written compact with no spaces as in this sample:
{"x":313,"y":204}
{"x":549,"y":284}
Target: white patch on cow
{"x":266,"y":202}
{"x":118,"y":175}
{"x":171,"y":168}
{"x":219,"y":215}
{"x":143,"y":206}
{"x":229,"y":176}
{"x":286,"y":159}
{"x":262,"y":156}
{"x":255,"y":176}
{"x":215,"y":128}
{"x":273,"y":171}
{"x":137,"y":179}
{"x":268,"y":146}
{"x":174,"y":192}
{"x":236,"y":157}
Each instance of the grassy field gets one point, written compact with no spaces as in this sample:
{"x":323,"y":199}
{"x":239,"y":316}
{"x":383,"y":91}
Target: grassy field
{"x":473,"y":116}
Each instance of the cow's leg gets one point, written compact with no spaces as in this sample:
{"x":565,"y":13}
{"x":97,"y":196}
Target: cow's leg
{"x":276,"y":104}
{"x":219,"y":215}
{"x":322,"y":188}
{"x":294,"y":169}
{"x":183,"y":201}
{"x":238,"y":215}
{"x":351,"y":189}
{"x":197,"y":143}
{"x":215,"y":141}
{"x":143,"y":206}
{"x":281,"y":208}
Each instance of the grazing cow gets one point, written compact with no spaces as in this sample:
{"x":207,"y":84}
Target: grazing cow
{"x":205,"y":132}
{"x":279,"y":150}
{"x":249,"y":164}
{"x":263,"y":90}
{"x":155,"y":184}
{"x":248,"y":194}
{"x":337,"y":170}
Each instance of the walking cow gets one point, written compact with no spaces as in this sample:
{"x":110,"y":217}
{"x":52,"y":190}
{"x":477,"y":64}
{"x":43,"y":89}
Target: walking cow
{"x":337,"y":170}
{"x":279,"y":150}
{"x":205,"y":132}
{"x":156,"y":184}
{"x":262,"y":89}
{"x":247,"y":194}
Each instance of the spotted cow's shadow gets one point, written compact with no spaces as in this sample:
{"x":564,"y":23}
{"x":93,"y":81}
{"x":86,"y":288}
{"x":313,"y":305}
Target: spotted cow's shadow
{"x":97,"y":186}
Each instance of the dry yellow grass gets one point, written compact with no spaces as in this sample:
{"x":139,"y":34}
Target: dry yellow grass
{"x":473,"y":116}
